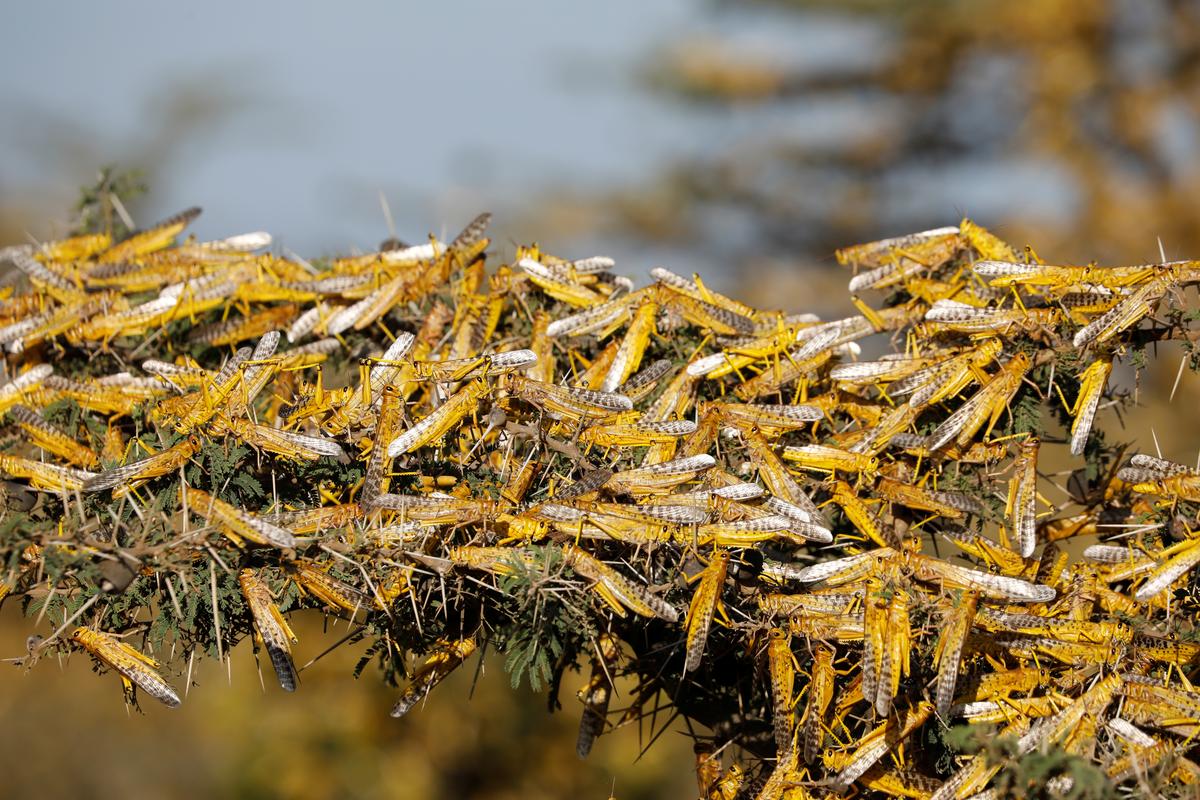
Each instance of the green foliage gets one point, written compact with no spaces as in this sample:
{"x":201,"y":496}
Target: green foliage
{"x":95,"y":207}
{"x":543,"y":624}
{"x":1039,"y":773}
{"x":217,"y":469}
{"x":1026,"y":412}
{"x":64,"y":413}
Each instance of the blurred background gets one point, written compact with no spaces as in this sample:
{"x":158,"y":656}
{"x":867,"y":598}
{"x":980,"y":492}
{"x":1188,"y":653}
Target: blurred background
{"x":741,"y":140}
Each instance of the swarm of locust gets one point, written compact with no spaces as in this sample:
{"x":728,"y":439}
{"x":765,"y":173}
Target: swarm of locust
{"x":821,"y":561}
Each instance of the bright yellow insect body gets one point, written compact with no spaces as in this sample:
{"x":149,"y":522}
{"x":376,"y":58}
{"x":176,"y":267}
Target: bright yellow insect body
{"x":135,"y":668}
{"x":446,"y":657}
{"x":273,"y":630}
{"x":705,"y":602}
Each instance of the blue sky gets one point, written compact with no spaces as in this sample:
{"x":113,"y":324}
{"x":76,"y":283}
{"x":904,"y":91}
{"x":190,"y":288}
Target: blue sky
{"x":448,"y":108}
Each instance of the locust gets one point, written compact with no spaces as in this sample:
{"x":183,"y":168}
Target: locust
{"x":597,"y":693}
{"x":240,"y":526}
{"x":820,"y":693}
{"x":447,"y":656}
{"x":135,"y":668}
{"x":925,"y":568}
{"x":886,"y":642}
{"x":330,"y":591}
{"x":781,"y":666}
{"x":1022,"y":498}
{"x":46,"y":477}
{"x":273,"y":630}
{"x":617,"y":591}
{"x":1128,"y":312}
{"x":440,"y":422}
{"x":706,"y":602}
{"x":986,"y":404}
{"x":959,"y":617}
{"x":1092,"y":382}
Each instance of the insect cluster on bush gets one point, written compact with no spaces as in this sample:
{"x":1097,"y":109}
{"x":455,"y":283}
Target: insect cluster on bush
{"x":820,"y":561}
